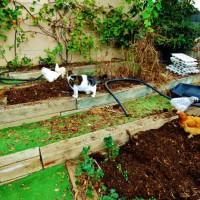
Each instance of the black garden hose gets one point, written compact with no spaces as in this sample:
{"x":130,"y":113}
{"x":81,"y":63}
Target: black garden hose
{"x":2,"y":79}
{"x":139,"y":81}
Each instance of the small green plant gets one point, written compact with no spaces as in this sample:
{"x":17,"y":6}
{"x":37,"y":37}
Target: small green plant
{"x":2,"y":53}
{"x":51,"y":57}
{"x":111,"y":147}
{"x":89,"y":191}
{"x":16,"y":62}
{"x":86,"y":172}
{"x":112,"y":196}
{"x":125,"y":175}
{"x":119,"y":167}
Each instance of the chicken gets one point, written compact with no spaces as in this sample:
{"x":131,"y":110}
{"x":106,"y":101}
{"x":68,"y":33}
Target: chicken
{"x":49,"y":75}
{"x":61,"y":70}
{"x":183,"y":103}
{"x":190,"y":124}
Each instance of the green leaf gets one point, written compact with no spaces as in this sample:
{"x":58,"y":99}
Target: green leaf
{"x":89,"y":191}
{"x":32,"y":9}
{"x":158,"y":6}
{"x":147,"y":23}
{"x":145,"y":15}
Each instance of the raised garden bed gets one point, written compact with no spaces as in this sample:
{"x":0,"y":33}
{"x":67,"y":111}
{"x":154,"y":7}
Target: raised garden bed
{"x":20,"y":164}
{"x":25,"y":112}
{"x":158,"y":162}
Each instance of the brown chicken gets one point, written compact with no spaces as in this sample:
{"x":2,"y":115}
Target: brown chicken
{"x":190,"y":124}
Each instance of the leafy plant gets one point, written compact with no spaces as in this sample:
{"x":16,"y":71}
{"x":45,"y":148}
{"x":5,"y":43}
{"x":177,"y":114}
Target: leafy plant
{"x":174,"y":30}
{"x":68,"y":24}
{"x":113,"y":195}
{"x":8,"y":17}
{"x":2,"y":52}
{"x":148,"y":11}
{"x":169,"y":20}
{"x":119,"y":167}
{"x":111,"y":147}
{"x":86,"y":172}
{"x":51,"y":57}
{"x":25,"y":61}
{"x":125,"y":175}
{"x":116,"y":26}
{"x":80,"y":43}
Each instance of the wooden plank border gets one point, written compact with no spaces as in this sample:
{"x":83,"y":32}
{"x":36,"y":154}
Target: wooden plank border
{"x":19,"y":165}
{"x":25,"y":113}
{"x":61,"y":152}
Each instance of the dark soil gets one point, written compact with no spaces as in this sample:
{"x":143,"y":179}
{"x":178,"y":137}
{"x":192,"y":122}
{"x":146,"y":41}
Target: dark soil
{"x":162,"y":163}
{"x":32,"y":92}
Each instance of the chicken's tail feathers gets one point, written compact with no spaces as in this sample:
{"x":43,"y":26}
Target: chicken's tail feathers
{"x":194,"y":99}
{"x":56,"y":66}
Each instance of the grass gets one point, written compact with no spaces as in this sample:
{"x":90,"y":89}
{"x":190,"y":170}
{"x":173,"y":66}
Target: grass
{"x":47,"y":184}
{"x":53,"y":183}
{"x":49,"y":131}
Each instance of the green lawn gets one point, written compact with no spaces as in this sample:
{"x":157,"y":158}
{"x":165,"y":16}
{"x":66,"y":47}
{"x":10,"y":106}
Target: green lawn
{"x":48,"y":184}
{"x":53,"y":183}
{"x":42,"y":133}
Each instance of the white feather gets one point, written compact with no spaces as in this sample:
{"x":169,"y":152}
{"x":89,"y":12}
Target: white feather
{"x":183,"y":103}
{"x":61,"y":70}
{"x":49,"y":75}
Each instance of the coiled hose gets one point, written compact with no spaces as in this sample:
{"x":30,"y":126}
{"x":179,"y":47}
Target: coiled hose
{"x":139,"y":81}
{"x":2,"y":79}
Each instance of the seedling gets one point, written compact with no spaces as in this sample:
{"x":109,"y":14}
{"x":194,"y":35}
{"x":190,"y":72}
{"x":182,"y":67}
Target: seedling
{"x":125,"y":175}
{"x":87,"y":175}
{"x":111,"y":147}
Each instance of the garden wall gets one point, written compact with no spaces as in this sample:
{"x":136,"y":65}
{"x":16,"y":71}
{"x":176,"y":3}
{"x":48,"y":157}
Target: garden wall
{"x":19,"y":114}
{"x":35,"y":46}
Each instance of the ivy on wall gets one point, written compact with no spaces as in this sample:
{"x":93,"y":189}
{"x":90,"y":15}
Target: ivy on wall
{"x":75,"y":25}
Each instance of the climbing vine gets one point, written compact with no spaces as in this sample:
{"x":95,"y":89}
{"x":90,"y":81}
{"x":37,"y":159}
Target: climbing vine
{"x":8,"y":17}
{"x":76,"y":27}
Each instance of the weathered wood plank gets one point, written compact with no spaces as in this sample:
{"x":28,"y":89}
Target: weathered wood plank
{"x":60,"y":152}
{"x":14,"y":179}
{"x":193,"y":111}
{"x":25,"y":121}
{"x":19,"y":156}
{"x":26,"y":75}
{"x":20,"y":112}
{"x":187,"y":80}
{"x":19,"y":164}
{"x":104,"y":99}
{"x":19,"y":169}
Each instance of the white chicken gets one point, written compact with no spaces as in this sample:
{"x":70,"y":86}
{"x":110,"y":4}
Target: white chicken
{"x":61,"y":70}
{"x":49,"y":75}
{"x":183,"y":103}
